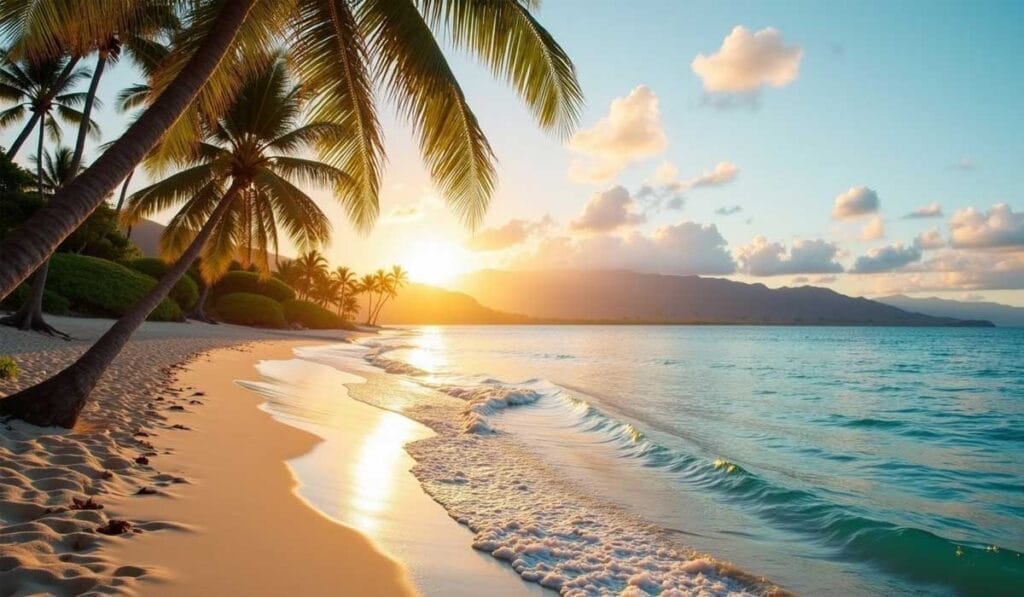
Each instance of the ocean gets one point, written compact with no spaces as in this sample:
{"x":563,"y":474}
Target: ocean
{"x":858,"y":461}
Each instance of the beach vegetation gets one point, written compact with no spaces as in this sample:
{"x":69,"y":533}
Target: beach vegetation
{"x":185,"y":291}
{"x":102,"y":288}
{"x":252,"y":283}
{"x":245,"y":308}
{"x":8,"y":368}
{"x":313,"y":316}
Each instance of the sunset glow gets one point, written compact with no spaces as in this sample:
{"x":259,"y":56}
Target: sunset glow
{"x":433,"y":262}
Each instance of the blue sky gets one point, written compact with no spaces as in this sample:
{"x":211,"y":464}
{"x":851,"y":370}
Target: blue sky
{"x":919,"y":102}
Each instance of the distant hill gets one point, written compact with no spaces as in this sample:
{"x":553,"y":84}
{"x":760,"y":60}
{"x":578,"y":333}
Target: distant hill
{"x":630,"y":297}
{"x":146,"y":236}
{"x":999,"y":314}
{"x":422,"y":304}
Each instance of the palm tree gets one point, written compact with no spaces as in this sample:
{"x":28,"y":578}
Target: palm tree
{"x":326,"y":289}
{"x":342,"y":52}
{"x":350,"y":307}
{"x":311,"y":266}
{"x":368,"y":284}
{"x":43,"y":90}
{"x":346,"y":279}
{"x":241,"y":184}
{"x":390,"y":282}
{"x":290,"y":273}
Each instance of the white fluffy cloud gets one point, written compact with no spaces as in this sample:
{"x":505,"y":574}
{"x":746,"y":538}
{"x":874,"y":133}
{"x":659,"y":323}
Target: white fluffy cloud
{"x":748,"y":61}
{"x":854,"y":203}
{"x":932,"y":210}
{"x":873,"y":230}
{"x":606,"y":211}
{"x":958,"y":270}
{"x":631,"y":131}
{"x":510,"y":234}
{"x":764,"y":258}
{"x":668,"y":189}
{"x":687,"y":248}
{"x":996,"y":228}
{"x":929,"y":240}
{"x":885,"y":259}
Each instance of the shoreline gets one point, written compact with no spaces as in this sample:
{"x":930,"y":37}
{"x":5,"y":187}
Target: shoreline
{"x":150,"y":451}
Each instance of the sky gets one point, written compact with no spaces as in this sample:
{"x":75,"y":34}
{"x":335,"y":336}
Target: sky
{"x":870,"y":147}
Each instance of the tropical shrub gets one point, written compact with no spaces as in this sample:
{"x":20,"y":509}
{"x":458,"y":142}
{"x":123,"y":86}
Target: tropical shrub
{"x":185,"y":291}
{"x":241,"y":281}
{"x":52,"y":302}
{"x":312,"y":316}
{"x":245,"y":308}
{"x":8,"y":368}
{"x":103,"y":288}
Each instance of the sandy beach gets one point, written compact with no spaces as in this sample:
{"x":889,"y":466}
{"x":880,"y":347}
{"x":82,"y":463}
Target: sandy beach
{"x":171,"y":445}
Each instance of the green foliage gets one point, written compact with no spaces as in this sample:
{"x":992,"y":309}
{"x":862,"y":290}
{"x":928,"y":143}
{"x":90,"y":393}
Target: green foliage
{"x":100,"y":236}
{"x":245,"y":308}
{"x":103,"y":288}
{"x":312,"y":316}
{"x":8,"y":368}
{"x":185,"y":291}
{"x":239,"y":281}
{"x":52,"y":302}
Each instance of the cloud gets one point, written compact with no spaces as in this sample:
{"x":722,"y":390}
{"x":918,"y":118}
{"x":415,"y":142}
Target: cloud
{"x":929,"y":240}
{"x":958,"y":270}
{"x":748,"y":61}
{"x":606,"y":211}
{"x":669,"y":187}
{"x":885,"y":259}
{"x":728,"y":211}
{"x":404,"y":213}
{"x":932,"y":210}
{"x":873,"y":230}
{"x":687,"y":248}
{"x":996,"y":228}
{"x":631,"y":131}
{"x":854,"y":203}
{"x":764,"y":258}
{"x":512,"y":233}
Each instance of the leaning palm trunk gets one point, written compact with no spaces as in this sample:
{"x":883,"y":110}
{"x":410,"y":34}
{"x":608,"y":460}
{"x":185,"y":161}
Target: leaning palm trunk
{"x":34,"y":118}
{"x":28,"y":246}
{"x":199,"y":311}
{"x":30,"y":316}
{"x":59,"y":399}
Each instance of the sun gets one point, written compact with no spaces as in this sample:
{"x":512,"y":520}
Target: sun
{"x":433,"y":262}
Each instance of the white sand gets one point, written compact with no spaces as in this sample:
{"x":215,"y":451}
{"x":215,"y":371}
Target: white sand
{"x":212,"y":461}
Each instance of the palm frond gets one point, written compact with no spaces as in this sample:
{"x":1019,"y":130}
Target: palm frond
{"x":330,"y":57}
{"x":506,"y":37}
{"x":422,"y":85}
{"x":173,"y":190}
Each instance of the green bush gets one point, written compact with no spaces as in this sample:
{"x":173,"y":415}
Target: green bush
{"x":248,"y":282}
{"x":312,"y":316}
{"x":245,"y":308}
{"x":103,"y":288}
{"x":8,"y":368}
{"x":185,"y":291}
{"x":52,"y":302}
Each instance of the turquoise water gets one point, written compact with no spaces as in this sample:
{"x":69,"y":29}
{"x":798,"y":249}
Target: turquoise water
{"x":859,"y":460}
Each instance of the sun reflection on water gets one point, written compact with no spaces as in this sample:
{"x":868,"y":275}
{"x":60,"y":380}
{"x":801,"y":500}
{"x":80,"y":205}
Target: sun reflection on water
{"x":429,"y":351}
{"x":374,"y":471}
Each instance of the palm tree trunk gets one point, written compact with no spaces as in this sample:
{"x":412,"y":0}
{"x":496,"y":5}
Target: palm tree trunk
{"x":59,"y":399}
{"x":199,"y":311}
{"x":29,"y":245}
{"x":124,"y":193}
{"x":25,"y":132}
{"x":83,"y":127}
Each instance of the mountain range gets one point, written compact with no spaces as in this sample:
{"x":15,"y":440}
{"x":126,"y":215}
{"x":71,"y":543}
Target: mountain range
{"x":999,"y":314}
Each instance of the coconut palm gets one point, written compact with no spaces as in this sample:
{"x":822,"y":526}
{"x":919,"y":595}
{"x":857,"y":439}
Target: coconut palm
{"x":346,"y":279}
{"x":290,"y":273}
{"x":325,"y":289}
{"x":389,"y":283}
{"x":368,"y":285}
{"x":311,"y":266}
{"x":349,"y":306}
{"x":43,"y":90}
{"x":342,"y":51}
{"x":240,"y":186}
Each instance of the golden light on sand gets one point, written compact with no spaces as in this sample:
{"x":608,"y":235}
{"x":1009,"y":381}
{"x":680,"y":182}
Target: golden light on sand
{"x":434,"y":262}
